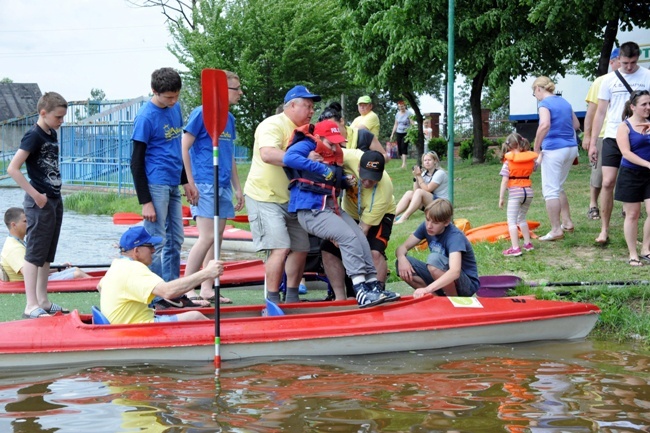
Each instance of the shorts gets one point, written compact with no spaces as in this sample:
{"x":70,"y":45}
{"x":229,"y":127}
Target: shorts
{"x":378,"y":237}
{"x":64,"y":274}
{"x":205,"y":207}
{"x":464,"y":285}
{"x":43,"y":229}
{"x":556,"y":164}
{"x":273,"y":227}
{"x":165,"y":318}
{"x":632,"y":185}
{"x":596,"y":178}
{"x":611,"y":153}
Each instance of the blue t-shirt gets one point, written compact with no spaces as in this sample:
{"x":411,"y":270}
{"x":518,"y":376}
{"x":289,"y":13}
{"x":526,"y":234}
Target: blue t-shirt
{"x":451,"y":240}
{"x":43,"y":161}
{"x":201,"y":150}
{"x":161,"y":130}
{"x":639,"y":145}
{"x":561,"y":134}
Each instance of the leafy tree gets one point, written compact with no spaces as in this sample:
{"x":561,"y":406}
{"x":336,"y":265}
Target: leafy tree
{"x":96,"y":96}
{"x":272,"y":46}
{"x":6,"y":80}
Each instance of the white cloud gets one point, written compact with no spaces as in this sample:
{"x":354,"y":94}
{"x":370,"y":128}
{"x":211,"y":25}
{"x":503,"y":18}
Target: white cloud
{"x":72,"y":46}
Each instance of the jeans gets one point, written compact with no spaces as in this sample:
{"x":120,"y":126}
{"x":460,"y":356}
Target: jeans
{"x":166,"y":260}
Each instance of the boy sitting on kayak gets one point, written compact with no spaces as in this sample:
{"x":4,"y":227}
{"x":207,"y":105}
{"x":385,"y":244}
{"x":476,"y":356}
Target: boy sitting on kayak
{"x":451,"y":268}
{"x":129,"y":285}
{"x":12,"y":257}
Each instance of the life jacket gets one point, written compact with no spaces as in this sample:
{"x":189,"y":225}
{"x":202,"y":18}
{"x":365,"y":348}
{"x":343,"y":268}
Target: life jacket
{"x":315,"y":182}
{"x":521,"y":166}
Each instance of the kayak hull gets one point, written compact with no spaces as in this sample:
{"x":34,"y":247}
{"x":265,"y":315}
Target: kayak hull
{"x":494,"y":232}
{"x":234,"y":239}
{"x":307,"y":329}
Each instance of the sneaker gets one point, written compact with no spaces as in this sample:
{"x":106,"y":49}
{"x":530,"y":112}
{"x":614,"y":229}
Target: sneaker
{"x":367,"y":297}
{"x":302,"y":289}
{"x":380,"y":287}
{"x":529,"y":246}
{"x":512,"y":252}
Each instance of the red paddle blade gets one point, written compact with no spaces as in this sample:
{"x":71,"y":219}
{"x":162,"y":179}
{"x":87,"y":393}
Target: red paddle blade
{"x":215,"y":102}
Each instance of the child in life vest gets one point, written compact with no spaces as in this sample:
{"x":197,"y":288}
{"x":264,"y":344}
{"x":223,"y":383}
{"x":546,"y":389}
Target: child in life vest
{"x":519,"y":162}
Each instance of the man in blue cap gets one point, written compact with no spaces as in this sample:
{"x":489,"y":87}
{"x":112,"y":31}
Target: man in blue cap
{"x":596,"y":180}
{"x":129,"y":285}
{"x":274,"y":229}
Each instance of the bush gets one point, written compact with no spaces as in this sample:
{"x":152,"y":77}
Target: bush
{"x":467,"y":147}
{"x":438,"y":145}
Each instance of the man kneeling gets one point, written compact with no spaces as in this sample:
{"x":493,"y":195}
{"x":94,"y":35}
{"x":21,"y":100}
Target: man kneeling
{"x":129,"y":285}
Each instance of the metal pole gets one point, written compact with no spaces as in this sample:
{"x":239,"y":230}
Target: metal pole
{"x":450,"y":99}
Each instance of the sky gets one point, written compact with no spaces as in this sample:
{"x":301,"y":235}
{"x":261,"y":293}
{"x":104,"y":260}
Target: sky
{"x":73,"y":46}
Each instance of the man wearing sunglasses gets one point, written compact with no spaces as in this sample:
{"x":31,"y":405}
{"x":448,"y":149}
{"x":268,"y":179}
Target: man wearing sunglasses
{"x":614,"y":92}
{"x":129,"y":285}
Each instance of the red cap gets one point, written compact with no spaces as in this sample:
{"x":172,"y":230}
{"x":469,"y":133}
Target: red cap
{"x":329,"y":130}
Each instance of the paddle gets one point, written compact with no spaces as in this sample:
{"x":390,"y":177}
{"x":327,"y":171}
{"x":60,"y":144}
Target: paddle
{"x":511,"y":281}
{"x":215,"y":117}
{"x":130,"y":218}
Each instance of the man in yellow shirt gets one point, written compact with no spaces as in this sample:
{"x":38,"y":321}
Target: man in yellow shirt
{"x":368,"y":119}
{"x":274,"y":229}
{"x":129,"y":285}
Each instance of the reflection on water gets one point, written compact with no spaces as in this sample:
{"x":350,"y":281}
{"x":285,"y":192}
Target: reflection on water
{"x":543,"y":387}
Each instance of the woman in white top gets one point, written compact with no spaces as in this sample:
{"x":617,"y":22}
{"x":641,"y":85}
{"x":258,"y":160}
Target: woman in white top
{"x":430,"y":182}
{"x":402,"y":123}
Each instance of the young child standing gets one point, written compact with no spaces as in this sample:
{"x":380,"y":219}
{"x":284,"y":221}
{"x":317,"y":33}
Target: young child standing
{"x":43,"y":205}
{"x":519,"y":163}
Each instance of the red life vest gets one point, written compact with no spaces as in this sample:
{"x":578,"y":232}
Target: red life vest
{"x":521,"y":165}
{"x":314,"y":182}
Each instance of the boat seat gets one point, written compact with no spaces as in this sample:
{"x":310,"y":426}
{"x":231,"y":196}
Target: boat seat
{"x":98,"y":317}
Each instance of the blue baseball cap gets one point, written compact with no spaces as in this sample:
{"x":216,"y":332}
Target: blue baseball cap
{"x":616,"y":53}
{"x":300,"y":92}
{"x":137,"y":236}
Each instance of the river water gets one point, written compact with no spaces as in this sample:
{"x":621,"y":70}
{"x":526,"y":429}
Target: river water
{"x":579,"y":386}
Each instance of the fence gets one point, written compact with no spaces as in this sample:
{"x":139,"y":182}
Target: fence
{"x":95,"y":151}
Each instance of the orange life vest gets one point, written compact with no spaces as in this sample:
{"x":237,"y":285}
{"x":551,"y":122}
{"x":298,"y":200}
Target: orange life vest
{"x":521,"y":165}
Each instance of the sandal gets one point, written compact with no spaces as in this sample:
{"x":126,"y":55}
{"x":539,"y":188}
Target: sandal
{"x":593,"y":213}
{"x":36,"y":313}
{"x":56,"y":308}
{"x":197,"y":300}
{"x":635,"y":262}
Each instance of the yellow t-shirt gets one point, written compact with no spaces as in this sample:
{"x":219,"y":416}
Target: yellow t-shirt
{"x":268,"y":182}
{"x":592,"y":96}
{"x":353,"y":138}
{"x":126,"y":291}
{"x":370,"y":121}
{"x":375,"y":202}
{"x":12,"y":258}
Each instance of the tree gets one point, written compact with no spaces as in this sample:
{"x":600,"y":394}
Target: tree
{"x":395,"y":47}
{"x":6,"y":80}
{"x":272,"y":46}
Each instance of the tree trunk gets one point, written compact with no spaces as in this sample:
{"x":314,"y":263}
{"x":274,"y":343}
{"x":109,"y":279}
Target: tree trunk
{"x":478,"y":154}
{"x":611,"y":30}
{"x":413,"y":102}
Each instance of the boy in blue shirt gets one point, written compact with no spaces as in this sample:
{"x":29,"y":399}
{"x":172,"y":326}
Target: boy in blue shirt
{"x":43,"y":205}
{"x":157,"y":167}
{"x":450,"y":269}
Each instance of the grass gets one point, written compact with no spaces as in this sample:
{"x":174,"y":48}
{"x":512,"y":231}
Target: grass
{"x":576,"y":258}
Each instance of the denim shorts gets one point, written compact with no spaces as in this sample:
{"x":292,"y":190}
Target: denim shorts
{"x":205,"y":207}
{"x":165,"y":318}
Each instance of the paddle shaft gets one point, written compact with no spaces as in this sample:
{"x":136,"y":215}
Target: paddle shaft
{"x":215,"y":117}
{"x":590,"y":283}
{"x":59,"y":267}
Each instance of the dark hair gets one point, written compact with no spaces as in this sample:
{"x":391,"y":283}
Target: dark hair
{"x":332,"y":111}
{"x":165,"y":80}
{"x":630,"y":49}
{"x":634,"y":97}
{"x":12,"y":215}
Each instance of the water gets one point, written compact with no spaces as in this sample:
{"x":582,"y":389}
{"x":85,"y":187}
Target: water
{"x":538,"y":387}
{"x":86,"y":239}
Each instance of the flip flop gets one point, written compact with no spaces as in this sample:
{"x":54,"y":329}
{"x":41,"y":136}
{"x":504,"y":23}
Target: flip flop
{"x":635,"y":263}
{"x":602,"y":241}
{"x":197,"y":300}
{"x":646,"y":257}
{"x":549,"y":237}
{"x":36,"y":313}
{"x":567,"y":229}
{"x":56,"y":308}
